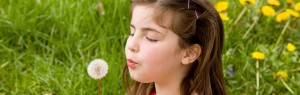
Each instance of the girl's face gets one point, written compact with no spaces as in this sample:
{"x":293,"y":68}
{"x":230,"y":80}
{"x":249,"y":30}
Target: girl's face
{"x":153,"y":53}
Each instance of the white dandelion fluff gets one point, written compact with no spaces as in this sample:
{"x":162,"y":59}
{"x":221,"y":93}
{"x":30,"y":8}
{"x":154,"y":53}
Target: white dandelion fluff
{"x":97,"y":69}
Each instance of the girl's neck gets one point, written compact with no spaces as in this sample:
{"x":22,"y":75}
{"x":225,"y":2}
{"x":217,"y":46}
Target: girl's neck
{"x":168,"y":89}
{"x":170,"y":85}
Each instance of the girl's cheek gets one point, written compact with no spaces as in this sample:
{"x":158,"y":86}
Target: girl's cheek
{"x":153,"y":55}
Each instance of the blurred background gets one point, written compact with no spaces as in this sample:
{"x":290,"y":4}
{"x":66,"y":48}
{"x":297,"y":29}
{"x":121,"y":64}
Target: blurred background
{"x":46,"y":45}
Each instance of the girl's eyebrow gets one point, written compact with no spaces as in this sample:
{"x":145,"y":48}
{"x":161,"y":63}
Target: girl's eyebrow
{"x":150,"y":29}
{"x":147,"y":29}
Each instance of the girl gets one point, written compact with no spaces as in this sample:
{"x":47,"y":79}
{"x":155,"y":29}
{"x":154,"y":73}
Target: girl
{"x":174,"y":48}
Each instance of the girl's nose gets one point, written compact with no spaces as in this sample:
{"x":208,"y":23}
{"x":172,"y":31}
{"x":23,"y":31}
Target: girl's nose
{"x":133,"y":49}
{"x":132,"y":44}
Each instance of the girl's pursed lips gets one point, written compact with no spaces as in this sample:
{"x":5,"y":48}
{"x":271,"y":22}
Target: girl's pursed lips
{"x":131,"y":63}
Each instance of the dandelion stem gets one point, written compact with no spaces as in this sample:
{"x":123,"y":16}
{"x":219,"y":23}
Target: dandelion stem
{"x":282,"y":32}
{"x":257,"y":77}
{"x":286,"y":86}
{"x":98,"y":86}
{"x":251,"y":27}
{"x":267,"y":24}
{"x":240,"y":15}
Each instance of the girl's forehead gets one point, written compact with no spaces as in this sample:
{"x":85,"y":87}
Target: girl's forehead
{"x":142,"y":11}
{"x":159,"y":15}
{"x":142,"y":16}
{"x":147,"y":16}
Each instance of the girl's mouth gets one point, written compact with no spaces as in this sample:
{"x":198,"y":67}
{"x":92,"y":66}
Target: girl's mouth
{"x":131,"y":63}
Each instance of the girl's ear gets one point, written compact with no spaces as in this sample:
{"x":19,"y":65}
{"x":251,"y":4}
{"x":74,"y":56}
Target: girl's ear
{"x":191,"y":54}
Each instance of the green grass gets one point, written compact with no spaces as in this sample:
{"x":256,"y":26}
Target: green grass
{"x":46,"y":45}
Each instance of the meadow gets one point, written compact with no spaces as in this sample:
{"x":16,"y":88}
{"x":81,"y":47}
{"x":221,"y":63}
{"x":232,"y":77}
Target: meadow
{"x":46,"y":46}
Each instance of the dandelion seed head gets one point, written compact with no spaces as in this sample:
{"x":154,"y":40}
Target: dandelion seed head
{"x":97,"y":69}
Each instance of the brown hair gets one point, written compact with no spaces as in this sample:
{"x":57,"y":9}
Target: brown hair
{"x":206,"y":75}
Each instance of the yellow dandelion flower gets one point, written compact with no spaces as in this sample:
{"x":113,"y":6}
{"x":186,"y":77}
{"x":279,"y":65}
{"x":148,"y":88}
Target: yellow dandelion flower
{"x":221,"y":6}
{"x":268,"y":11}
{"x":224,"y":17}
{"x":290,"y":47}
{"x":292,"y":12}
{"x":297,"y":6}
{"x":281,"y":74}
{"x":258,"y":55}
{"x":273,"y":2}
{"x":289,"y":1}
{"x":246,"y":2}
{"x":282,"y":16}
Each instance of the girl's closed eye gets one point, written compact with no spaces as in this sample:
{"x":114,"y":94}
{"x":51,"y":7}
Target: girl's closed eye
{"x":153,"y":36}
{"x":151,"y":40}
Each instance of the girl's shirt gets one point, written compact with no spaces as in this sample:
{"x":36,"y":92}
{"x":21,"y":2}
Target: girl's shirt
{"x":153,"y":92}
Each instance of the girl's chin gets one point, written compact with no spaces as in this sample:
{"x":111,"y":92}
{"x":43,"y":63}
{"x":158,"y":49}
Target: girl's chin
{"x":140,"y":79}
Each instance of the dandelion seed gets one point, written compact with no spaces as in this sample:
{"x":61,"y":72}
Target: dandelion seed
{"x":247,"y":2}
{"x":222,"y":6}
{"x":258,"y":55}
{"x":97,"y":69}
{"x":297,"y":6}
{"x":283,"y":16}
{"x":290,"y":47}
{"x":281,"y":74}
{"x":273,"y":2}
{"x":224,"y":17}
{"x":268,"y":11}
